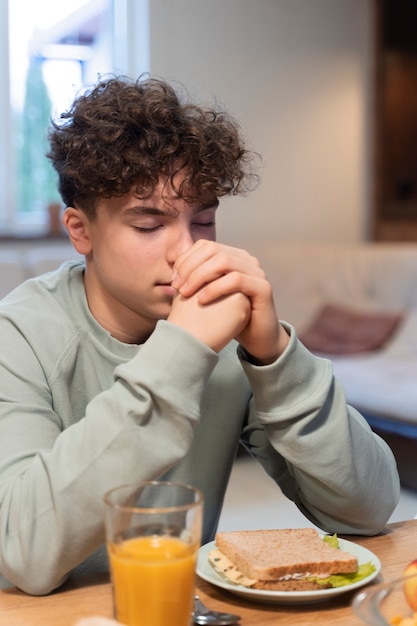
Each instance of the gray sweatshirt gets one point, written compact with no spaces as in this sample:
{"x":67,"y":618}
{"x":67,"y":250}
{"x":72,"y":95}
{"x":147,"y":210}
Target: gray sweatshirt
{"x":81,"y":412}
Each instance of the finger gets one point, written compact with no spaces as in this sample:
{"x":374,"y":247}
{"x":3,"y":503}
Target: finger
{"x":191,"y":259}
{"x":216,"y":323}
{"x":256,"y":288}
{"x":209,"y":263}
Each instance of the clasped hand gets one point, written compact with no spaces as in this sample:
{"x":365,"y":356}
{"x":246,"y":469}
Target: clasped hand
{"x":223,"y":294}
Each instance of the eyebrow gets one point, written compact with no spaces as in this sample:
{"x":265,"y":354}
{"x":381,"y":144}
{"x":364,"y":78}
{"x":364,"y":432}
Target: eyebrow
{"x":148,"y":210}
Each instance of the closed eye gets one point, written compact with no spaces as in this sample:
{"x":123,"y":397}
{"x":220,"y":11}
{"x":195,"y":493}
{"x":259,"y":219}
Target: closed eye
{"x":152,"y":229}
{"x":206,"y":224}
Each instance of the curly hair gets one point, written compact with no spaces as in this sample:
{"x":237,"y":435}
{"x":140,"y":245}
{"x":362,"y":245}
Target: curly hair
{"x":125,"y":134}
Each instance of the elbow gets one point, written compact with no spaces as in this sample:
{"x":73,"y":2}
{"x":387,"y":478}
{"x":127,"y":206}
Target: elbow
{"x":354,"y":515}
{"x":34,"y":584}
{"x":29,"y":574}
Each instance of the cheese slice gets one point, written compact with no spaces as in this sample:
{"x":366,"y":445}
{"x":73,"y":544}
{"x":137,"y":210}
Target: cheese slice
{"x":225,"y":568}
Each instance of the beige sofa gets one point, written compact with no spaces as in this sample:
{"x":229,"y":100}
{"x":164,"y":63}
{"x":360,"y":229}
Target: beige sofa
{"x":365,"y":277}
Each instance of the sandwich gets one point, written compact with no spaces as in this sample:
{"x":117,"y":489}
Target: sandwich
{"x":282,"y":560}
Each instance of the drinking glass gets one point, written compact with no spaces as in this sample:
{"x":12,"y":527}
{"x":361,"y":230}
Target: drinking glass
{"x":153,"y":532}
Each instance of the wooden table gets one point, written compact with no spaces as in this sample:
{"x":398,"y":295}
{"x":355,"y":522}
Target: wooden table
{"x":88,"y":596}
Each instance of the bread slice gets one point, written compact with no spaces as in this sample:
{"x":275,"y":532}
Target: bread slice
{"x":227,"y":570}
{"x":269,"y":555}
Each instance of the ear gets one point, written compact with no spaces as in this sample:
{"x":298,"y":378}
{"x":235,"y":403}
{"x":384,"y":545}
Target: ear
{"x":77,"y":224}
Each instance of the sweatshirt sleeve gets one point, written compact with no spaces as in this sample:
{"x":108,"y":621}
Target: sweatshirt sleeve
{"x":340,"y":474}
{"x":52,"y":480}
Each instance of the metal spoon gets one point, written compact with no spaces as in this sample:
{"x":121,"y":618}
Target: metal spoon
{"x":206,"y":617}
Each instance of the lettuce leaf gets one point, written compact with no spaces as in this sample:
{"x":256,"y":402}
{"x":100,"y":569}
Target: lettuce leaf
{"x":332,"y":540}
{"x":340,"y":580}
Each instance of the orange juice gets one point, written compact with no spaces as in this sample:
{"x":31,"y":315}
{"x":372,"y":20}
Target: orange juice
{"x":153,"y":581}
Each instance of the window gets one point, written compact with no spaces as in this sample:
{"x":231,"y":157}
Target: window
{"x":53,"y":49}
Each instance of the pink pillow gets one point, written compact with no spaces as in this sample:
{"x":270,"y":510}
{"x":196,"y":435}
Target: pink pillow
{"x":337,"y":330}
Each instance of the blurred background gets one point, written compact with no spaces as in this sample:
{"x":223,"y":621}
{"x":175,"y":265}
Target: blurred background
{"x":310,"y":82}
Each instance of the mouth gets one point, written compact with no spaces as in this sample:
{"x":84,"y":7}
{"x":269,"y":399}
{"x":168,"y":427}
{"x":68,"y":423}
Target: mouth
{"x":167,"y":288}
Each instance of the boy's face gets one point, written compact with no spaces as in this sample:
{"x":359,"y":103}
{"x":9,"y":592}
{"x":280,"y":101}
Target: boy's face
{"x":130,"y":248}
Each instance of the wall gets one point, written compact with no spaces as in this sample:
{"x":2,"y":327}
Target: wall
{"x":297,"y":75}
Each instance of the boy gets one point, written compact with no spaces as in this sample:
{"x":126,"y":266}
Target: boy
{"x":158,"y":354}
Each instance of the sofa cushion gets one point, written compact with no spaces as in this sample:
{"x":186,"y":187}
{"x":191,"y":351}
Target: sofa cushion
{"x":383,"y":383}
{"x":341,"y":330}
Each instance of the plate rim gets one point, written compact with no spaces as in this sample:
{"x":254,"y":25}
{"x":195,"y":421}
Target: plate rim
{"x":286,"y":597}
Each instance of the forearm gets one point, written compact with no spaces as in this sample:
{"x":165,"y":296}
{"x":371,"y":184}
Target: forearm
{"x":52,"y":483}
{"x":339,"y":473}
{"x":360,"y":494}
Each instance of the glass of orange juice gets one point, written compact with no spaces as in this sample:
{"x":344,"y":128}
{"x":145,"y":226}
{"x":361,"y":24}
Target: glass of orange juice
{"x":153,"y":532}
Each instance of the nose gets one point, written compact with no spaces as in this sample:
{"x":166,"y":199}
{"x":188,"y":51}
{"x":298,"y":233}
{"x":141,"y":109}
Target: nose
{"x":181,"y":239}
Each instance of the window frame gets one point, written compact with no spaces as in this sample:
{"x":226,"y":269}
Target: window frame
{"x":130,"y":56}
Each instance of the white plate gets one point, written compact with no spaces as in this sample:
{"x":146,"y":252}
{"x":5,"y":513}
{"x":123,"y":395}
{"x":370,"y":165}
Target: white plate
{"x":208,"y":573}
